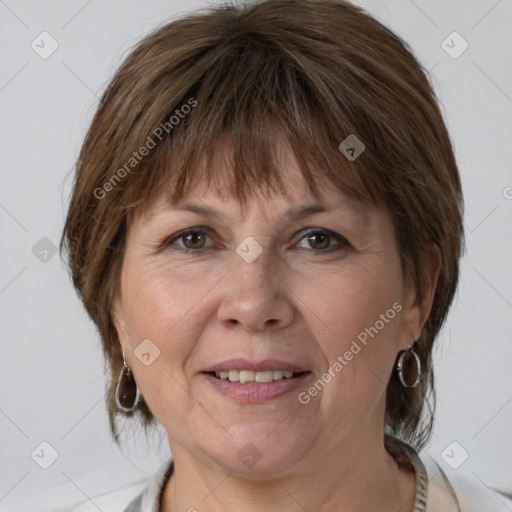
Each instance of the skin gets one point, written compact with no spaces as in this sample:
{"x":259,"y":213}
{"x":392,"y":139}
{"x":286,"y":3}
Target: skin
{"x":292,"y":303}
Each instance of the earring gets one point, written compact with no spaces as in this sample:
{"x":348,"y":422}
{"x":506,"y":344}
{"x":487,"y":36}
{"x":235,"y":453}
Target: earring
{"x":127,"y":392}
{"x":406,"y":362}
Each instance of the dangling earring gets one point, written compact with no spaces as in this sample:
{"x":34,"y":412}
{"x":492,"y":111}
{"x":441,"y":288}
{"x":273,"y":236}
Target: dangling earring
{"x":406,"y":362}
{"x":127,"y":392}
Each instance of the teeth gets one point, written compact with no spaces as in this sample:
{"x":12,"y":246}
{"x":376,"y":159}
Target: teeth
{"x":234,"y":375}
{"x":248,"y":376}
{"x":264,"y":376}
{"x":278,"y":374}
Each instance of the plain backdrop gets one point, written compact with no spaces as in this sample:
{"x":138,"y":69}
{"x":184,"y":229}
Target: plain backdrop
{"x":51,"y":380}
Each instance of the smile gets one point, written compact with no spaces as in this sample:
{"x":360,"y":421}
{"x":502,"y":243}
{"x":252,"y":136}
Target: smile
{"x":243,"y":387}
{"x":249,"y":376}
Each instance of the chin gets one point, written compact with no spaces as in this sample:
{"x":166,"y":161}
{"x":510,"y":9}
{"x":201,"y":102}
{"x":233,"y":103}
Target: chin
{"x":253,"y":455}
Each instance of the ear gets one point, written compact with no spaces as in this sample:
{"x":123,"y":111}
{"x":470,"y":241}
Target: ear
{"x":416,"y":309}
{"x":118,"y":318}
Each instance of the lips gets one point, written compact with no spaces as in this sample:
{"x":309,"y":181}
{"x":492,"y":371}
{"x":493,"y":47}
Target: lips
{"x":248,"y":376}
{"x":254,"y":366}
{"x":255,"y":381}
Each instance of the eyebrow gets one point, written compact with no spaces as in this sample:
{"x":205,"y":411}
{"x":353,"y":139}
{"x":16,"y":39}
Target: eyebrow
{"x":294,"y":213}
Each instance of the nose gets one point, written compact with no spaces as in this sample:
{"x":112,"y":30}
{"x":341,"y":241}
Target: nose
{"x":256,"y":298}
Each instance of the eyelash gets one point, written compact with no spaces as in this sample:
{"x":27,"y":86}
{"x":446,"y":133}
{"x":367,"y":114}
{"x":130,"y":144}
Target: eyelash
{"x":343,"y":242}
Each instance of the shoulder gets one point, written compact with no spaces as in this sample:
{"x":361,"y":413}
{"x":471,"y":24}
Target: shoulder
{"x":149,"y":499}
{"x":114,"y":500}
{"x":143,"y":496}
{"x":472,"y":494}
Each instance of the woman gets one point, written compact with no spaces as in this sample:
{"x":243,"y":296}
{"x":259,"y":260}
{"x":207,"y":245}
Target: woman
{"x":266,"y":226}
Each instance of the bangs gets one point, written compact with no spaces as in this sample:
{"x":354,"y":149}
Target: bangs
{"x":250,"y":104}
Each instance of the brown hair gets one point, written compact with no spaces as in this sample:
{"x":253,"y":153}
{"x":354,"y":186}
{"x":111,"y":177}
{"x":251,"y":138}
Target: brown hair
{"x":311,"y":71}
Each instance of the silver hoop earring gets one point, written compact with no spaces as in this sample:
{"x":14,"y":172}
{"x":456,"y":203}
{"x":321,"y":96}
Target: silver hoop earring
{"x":409,"y":368}
{"x":127,"y":391}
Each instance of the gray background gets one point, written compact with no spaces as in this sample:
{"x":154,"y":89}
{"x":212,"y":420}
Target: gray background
{"x":51,"y":378}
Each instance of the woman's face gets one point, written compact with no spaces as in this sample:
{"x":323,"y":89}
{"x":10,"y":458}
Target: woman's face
{"x":319,"y":294}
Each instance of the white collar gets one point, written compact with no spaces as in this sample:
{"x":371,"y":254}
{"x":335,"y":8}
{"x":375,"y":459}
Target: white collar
{"x":439,"y":491}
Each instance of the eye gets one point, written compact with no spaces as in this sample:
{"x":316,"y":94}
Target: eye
{"x":194,"y":241}
{"x":191,"y":240}
{"x":320,"y":240}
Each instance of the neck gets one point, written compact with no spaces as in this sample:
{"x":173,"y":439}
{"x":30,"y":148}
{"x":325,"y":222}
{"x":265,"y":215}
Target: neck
{"x":359,"y":475}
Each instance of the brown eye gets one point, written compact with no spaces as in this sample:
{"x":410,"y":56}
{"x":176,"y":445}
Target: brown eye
{"x":194,"y":240}
{"x":320,"y":240}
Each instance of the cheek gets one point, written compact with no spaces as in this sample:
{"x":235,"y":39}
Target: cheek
{"x":159,"y":301}
{"x":347,"y":302}
{"x":168,"y":308}
{"x":356,"y":314}
{"x":152,"y":311}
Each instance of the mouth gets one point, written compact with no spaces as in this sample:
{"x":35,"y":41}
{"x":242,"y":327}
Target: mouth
{"x":251,"y":377}
{"x":247,"y":381}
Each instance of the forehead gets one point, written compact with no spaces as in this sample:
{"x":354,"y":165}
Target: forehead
{"x":297,"y":197}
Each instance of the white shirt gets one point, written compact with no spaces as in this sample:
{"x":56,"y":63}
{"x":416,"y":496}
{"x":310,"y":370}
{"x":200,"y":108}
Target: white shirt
{"x":434,"y":492}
